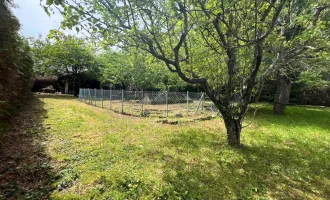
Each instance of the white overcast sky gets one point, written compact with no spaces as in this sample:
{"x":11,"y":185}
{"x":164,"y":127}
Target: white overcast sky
{"x":34,"y":21}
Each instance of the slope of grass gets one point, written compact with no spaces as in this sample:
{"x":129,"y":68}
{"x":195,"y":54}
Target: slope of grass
{"x":103,"y":155}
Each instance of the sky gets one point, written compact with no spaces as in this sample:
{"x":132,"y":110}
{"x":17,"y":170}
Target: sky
{"x":34,"y":20}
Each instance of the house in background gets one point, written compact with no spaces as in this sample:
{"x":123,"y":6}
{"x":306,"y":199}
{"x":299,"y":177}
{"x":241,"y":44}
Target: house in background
{"x":61,"y":84}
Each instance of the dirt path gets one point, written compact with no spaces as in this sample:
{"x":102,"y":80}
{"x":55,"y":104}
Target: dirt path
{"x":24,"y":169}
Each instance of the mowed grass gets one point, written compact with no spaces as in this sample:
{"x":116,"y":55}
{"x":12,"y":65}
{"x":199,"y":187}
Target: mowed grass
{"x":98,"y":154}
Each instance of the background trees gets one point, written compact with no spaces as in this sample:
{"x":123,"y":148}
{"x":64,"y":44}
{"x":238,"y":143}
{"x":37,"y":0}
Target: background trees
{"x":300,"y":44}
{"x":68,"y":57}
{"x":135,"y":71}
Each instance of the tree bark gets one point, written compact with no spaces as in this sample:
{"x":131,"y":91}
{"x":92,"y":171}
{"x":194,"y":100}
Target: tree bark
{"x":234,"y":128}
{"x":282,"y":96}
{"x":75,"y":89}
{"x":66,"y":87}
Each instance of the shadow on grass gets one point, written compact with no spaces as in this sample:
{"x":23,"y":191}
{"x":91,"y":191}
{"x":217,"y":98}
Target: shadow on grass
{"x":25,"y":172}
{"x":206,"y":169}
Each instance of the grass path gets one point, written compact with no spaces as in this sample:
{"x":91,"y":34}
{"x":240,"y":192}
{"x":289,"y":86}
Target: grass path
{"x":99,"y":154}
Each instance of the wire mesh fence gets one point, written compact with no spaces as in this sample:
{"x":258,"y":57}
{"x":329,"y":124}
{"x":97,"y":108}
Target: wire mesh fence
{"x":161,"y":104}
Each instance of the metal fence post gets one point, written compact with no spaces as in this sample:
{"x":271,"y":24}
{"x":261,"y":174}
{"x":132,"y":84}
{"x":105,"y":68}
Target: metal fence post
{"x":187,"y":102}
{"x":200,"y":100}
{"x":110,"y":99}
{"x":102,"y":93}
{"x":142,"y":95}
{"x":90,"y":96}
{"x":95,"y":96}
{"x":203,"y":102}
{"x":122,"y":101}
{"x":166,"y":100}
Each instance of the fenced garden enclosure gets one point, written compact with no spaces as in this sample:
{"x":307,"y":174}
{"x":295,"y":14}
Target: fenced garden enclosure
{"x":161,"y":104}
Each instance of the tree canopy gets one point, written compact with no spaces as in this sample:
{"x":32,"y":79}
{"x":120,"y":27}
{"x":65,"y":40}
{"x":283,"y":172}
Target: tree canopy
{"x":135,"y":71}
{"x":68,"y":57}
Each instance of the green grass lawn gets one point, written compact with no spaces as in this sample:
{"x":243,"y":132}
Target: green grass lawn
{"x":98,"y":154}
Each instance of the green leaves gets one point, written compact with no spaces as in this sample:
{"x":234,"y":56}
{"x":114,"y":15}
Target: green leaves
{"x":116,"y":11}
{"x":16,"y":62}
{"x":49,"y":2}
{"x":67,"y":56}
{"x":46,"y":10}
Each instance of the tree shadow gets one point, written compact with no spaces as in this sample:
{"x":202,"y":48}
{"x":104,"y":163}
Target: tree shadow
{"x":204,"y":169}
{"x":25,"y":172}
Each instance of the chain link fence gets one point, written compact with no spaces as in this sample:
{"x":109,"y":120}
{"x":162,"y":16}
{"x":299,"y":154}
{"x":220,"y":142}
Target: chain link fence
{"x":161,"y":104}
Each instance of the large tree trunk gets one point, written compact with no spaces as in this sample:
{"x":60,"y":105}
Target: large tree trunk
{"x":234,"y":128}
{"x":282,"y":94}
{"x":75,"y":88}
{"x":66,"y":87}
{"x":75,"y":92}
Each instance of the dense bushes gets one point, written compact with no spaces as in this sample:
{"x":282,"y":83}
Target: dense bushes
{"x":312,"y":95}
{"x":301,"y":94}
{"x":16,"y":63}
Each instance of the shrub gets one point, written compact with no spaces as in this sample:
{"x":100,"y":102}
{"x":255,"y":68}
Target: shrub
{"x":16,"y":64}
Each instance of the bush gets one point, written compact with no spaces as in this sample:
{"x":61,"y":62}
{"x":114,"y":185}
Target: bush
{"x":316,"y":95}
{"x":301,"y":94}
{"x":16,"y":64}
